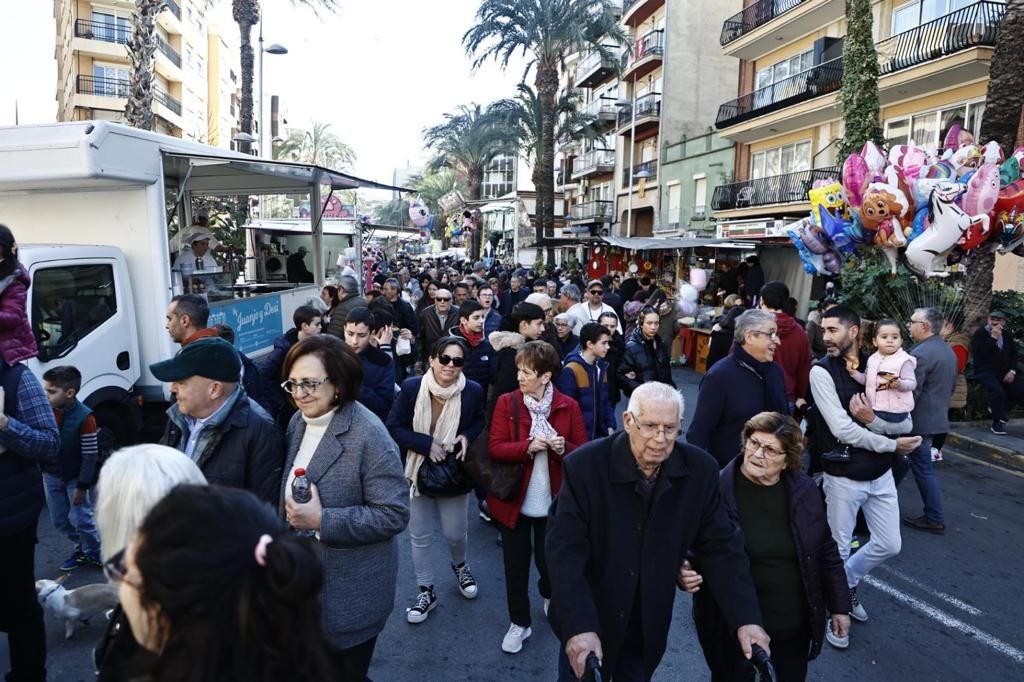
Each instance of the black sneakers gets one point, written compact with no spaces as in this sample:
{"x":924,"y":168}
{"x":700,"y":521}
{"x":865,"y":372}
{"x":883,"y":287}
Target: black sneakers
{"x":998,"y":427}
{"x":425,"y":602}
{"x":467,"y":586}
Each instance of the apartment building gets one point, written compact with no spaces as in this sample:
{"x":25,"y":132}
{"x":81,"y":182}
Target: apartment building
{"x":934,"y":58}
{"x":223,"y":94}
{"x":192,"y":97}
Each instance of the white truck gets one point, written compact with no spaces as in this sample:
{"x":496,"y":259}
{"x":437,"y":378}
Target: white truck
{"x":90,"y":203}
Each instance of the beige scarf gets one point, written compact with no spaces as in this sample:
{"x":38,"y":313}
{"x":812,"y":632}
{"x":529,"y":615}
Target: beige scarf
{"x":447,"y":428}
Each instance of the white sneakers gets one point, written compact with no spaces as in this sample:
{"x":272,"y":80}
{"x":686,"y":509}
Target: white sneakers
{"x":834,"y":639}
{"x":514,"y":638}
{"x":547,"y":602}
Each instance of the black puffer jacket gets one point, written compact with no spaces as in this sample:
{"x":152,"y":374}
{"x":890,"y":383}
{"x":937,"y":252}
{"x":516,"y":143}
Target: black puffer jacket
{"x":649,"y":360}
{"x":821,"y":568}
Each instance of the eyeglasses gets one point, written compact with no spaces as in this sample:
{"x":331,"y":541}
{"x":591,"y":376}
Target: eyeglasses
{"x":754,"y":446}
{"x":307,"y":386}
{"x":773,"y":335}
{"x":596,"y":292}
{"x":652,"y":430}
{"x":456,"y":361}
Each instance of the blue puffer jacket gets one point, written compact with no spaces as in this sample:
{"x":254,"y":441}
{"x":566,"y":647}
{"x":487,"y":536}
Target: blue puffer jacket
{"x":478,"y":364}
{"x":587,"y":384}
{"x":378,"y":393}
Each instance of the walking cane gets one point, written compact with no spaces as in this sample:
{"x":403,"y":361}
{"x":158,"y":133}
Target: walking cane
{"x":763,"y":664}
{"x":593,"y":669}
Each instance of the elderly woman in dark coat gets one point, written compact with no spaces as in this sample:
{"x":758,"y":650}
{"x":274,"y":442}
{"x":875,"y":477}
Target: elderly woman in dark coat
{"x":794,"y":561}
{"x":360,"y":497}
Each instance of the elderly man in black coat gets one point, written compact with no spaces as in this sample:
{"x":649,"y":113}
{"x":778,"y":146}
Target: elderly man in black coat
{"x":631,"y":507}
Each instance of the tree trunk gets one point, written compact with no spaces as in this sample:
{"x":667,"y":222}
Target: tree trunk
{"x":246,"y":14}
{"x":546,"y":83}
{"x":859,"y":95}
{"x":141,"y":52}
{"x":1002,"y":120}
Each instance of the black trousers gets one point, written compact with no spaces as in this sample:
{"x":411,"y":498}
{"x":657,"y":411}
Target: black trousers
{"x":354,"y":662}
{"x":517,"y":544}
{"x":1002,"y":398}
{"x":21,"y":616}
{"x":789,"y":656}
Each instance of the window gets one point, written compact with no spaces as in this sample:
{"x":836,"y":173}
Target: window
{"x":700,"y":195}
{"x":111,"y":28}
{"x":913,"y":14}
{"x":929,"y":128}
{"x":674,"y":203}
{"x":784,"y":69}
{"x":790,"y":158}
{"x":68,"y":303}
{"x":109,"y":80}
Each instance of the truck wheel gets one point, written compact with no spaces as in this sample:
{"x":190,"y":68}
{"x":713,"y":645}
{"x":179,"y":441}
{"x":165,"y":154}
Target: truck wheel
{"x":115,"y":418}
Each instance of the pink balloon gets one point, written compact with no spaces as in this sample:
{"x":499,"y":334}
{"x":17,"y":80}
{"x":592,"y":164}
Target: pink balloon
{"x":855,"y":179}
{"x":699,"y":279}
{"x":982,"y":190}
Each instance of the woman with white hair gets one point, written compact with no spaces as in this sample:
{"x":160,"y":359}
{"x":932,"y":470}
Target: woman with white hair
{"x":132,"y":481}
{"x":567,"y":341}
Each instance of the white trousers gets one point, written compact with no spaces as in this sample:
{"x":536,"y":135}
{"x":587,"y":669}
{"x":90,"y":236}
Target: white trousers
{"x":878,"y":499}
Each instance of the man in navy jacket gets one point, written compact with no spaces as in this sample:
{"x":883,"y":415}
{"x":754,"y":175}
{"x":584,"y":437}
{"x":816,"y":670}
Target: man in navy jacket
{"x":584,"y":378}
{"x":378,"y":393}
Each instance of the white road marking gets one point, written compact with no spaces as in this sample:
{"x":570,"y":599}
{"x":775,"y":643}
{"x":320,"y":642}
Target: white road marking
{"x":983,"y":463}
{"x":948,"y":598}
{"x":983,"y":518}
{"x":947,"y":620}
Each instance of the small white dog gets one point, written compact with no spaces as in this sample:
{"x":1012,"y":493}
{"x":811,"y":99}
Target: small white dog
{"x":75,"y":606}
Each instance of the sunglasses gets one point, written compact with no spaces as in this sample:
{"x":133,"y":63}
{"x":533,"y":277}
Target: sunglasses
{"x":441,"y":298}
{"x":597,"y":292}
{"x":446,"y":359}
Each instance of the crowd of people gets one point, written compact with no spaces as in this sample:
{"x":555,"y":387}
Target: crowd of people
{"x":383,"y":395}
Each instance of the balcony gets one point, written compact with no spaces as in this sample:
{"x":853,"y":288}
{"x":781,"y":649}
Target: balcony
{"x":102,"y":31}
{"x":592,"y":212}
{"x":648,"y":114}
{"x":768,"y":24}
{"x":646,"y":56}
{"x":173,"y":7}
{"x":648,"y":171}
{"x":161,"y":97}
{"x":950,"y":50}
{"x":594,"y":162}
{"x":120,"y":88}
{"x":165,"y":48}
{"x":603,"y":111}
{"x":789,"y":188}
{"x":594,"y":69}
{"x":635,"y":12}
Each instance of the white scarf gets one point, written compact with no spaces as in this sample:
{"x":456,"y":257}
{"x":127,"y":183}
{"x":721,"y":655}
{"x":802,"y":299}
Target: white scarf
{"x":539,"y":411}
{"x":447,"y":428}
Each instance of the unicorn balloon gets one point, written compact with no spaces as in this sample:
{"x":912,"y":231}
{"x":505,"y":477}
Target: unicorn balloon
{"x":947,"y":225}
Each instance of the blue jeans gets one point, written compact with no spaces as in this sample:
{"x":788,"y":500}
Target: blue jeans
{"x":74,"y":521}
{"x":920,"y":461}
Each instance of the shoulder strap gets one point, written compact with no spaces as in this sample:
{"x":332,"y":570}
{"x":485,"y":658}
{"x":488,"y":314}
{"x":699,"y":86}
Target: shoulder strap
{"x":515,"y":414}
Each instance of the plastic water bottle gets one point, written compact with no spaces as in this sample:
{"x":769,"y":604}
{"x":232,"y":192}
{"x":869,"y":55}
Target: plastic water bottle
{"x":301,"y":494}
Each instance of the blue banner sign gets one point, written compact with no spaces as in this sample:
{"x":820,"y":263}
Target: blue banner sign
{"x":256,"y":321}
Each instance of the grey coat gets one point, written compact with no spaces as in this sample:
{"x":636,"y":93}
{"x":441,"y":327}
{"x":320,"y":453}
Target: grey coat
{"x":365,"y":498}
{"x":936,"y":379}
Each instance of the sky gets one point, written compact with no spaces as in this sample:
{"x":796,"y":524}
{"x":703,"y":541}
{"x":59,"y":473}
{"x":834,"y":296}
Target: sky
{"x":379,"y":71}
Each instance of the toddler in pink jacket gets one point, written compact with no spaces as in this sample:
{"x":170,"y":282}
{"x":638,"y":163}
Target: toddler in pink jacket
{"x":889,"y":381}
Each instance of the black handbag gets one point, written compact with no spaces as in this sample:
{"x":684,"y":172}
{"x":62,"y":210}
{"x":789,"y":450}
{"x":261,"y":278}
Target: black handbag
{"x":447,"y":478}
{"x":498,"y":478}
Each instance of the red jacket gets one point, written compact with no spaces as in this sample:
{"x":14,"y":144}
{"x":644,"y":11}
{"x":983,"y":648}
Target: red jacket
{"x":566,"y":419}
{"x":794,"y":357}
{"x":16,"y":340}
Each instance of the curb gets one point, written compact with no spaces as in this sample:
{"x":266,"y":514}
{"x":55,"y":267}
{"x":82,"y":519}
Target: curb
{"x":987,"y":452}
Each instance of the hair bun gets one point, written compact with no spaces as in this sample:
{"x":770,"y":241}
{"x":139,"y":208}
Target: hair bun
{"x":294,"y":571}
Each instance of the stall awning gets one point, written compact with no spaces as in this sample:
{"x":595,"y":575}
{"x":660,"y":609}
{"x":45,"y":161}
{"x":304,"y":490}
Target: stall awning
{"x":233,"y":173}
{"x":651,"y":243}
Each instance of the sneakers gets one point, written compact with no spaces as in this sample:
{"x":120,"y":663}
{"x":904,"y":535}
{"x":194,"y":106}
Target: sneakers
{"x":936,"y":455}
{"x":857,"y":611}
{"x":93,"y":559}
{"x":998,"y":427}
{"x":547,"y":603}
{"x":485,"y":511}
{"x":467,"y":586}
{"x":76,"y":559}
{"x":425,"y":602}
{"x":835,"y":640}
{"x":514,"y":638}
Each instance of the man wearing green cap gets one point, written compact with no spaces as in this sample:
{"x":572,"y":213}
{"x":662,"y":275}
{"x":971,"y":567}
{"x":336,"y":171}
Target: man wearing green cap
{"x":230,"y":437}
{"x":994,"y":352}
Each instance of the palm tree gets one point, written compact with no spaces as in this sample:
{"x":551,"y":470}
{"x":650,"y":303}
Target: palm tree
{"x":1003,"y":104}
{"x":246,"y":13}
{"x":141,"y":50}
{"x":466,"y":142}
{"x":393,"y":212}
{"x":318,"y":146}
{"x":548,"y":31}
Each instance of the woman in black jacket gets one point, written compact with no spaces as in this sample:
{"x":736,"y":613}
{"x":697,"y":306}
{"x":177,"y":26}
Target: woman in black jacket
{"x":646,"y":357}
{"x":723,"y":330}
{"x":794,"y":561}
{"x":616,"y":349}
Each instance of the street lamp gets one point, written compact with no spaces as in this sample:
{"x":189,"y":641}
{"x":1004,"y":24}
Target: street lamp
{"x":275,"y":48}
{"x":244,"y":138}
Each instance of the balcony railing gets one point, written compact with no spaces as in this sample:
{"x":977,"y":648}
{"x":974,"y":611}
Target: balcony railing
{"x":788,"y":188}
{"x":174,"y":7}
{"x":168,"y":51}
{"x":972,"y":26}
{"x":596,"y":160}
{"x":647,"y":105}
{"x":601,"y":106}
{"x":754,"y":16}
{"x":102,"y":30}
{"x":648,"y":170}
{"x":652,"y":43}
{"x":593,"y":68}
{"x":168,"y":101}
{"x":592,"y":210}
{"x":104,"y":87}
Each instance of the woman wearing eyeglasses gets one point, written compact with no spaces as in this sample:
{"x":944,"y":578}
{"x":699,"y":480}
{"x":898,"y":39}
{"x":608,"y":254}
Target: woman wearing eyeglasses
{"x":794,"y":561}
{"x":646,"y":357}
{"x":360,"y":499}
{"x":536,"y":426}
{"x":434,"y":419}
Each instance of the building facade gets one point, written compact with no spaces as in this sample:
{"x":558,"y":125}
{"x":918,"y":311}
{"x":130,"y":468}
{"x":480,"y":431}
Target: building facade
{"x":691,"y":170}
{"x":193,"y":93}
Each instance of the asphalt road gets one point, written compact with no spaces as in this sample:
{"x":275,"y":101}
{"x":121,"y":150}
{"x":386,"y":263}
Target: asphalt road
{"x":947,"y":608}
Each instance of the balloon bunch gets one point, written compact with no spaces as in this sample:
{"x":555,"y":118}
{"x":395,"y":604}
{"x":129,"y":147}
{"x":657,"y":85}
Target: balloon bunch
{"x":689,"y":292}
{"x":419,"y":212}
{"x":930,"y":209}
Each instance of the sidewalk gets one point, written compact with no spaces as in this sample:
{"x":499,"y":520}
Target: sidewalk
{"x":974,"y":439}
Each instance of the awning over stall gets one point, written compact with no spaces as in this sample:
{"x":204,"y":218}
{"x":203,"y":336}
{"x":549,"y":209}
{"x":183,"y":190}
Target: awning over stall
{"x":653,"y":243}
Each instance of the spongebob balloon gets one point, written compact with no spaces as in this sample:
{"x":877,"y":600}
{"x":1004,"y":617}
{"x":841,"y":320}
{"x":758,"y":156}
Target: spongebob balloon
{"x":827,"y":197}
